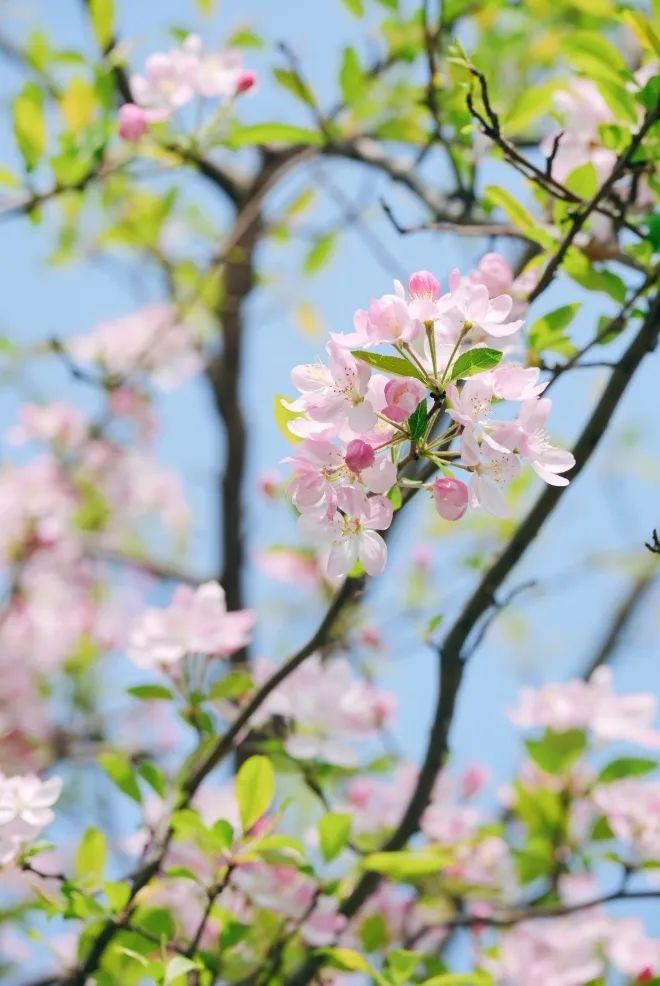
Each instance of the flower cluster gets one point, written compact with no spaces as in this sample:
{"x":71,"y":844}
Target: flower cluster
{"x":25,"y":809}
{"x":151,"y":340}
{"x":327,"y":706}
{"x":174,"y":78}
{"x":196,"y":622}
{"x":354,"y":423}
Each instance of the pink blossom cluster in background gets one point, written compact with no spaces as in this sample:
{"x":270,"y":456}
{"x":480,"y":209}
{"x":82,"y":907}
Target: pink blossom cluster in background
{"x":174,"y":78}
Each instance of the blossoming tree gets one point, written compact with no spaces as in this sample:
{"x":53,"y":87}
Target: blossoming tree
{"x":198,"y":787}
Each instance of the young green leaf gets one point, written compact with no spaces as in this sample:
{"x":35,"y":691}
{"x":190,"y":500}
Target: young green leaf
{"x":405,"y":865}
{"x":334,"y":831}
{"x":91,"y":859}
{"x":102,"y":14}
{"x":474,"y":361}
{"x":178,"y":967}
{"x":274,"y":133}
{"x":320,"y":253}
{"x":626,"y":767}
{"x":416,"y":423}
{"x":351,"y":77}
{"x":388,"y":364}
{"x":255,"y":789}
{"x":555,"y":752}
{"x":155,"y":692}
{"x":30,"y":124}
{"x":120,"y":771}
{"x":548,"y":332}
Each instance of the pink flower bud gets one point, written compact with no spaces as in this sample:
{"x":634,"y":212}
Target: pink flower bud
{"x":359,"y":455}
{"x":451,"y":498}
{"x":646,"y":975}
{"x":132,"y":122}
{"x":422,"y":284}
{"x":473,"y":779}
{"x":402,"y":398}
{"x":246,"y":80}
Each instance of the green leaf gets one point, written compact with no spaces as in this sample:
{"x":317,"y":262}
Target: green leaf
{"x":120,"y":771}
{"x":334,"y":832}
{"x":625,"y":767}
{"x":118,"y":894}
{"x":356,"y":7}
{"x":352,"y":79}
{"x":529,"y":104}
{"x":293,"y":83}
{"x":274,"y":133}
{"x":653,"y":223}
{"x":416,"y":423}
{"x":91,"y":859}
{"x":389,"y":364}
{"x":548,"y":332}
{"x":233,"y":685}
{"x":156,"y":692}
{"x":401,"y":964}
{"x":255,"y":789}
{"x":643,"y":28}
{"x":244,"y":38}
{"x":320,"y":253}
{"x":555,"y":752}
{"x":154,"y":778}
{"x":30,"y":124}
{"x":283,"y":417}
{"x":592,"y":53}
{"x":474,"y":361}
{"x":512,"y":209}
{"x":619,"y":100}
{"x":579,"y":268}
{"x":102,"y":13}
{"x":583,"y":181}
{"x":373,"y":932}
{"x":345,"y":959}
{"x":177,"y":967}
{"x":405,"y":864}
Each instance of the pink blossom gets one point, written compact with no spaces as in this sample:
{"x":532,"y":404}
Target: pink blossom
{"x":196,"y":621}
{"x":473,"y":780}
{"x":450,"y":496}
{"x":424,"y":290}
{"x":352,"y":532}
{"x":133,"y":122}
{"x":469,"y":308}
{"x":527,"y":435}
{"x":402,"y":397}
{"x":491,"y":471}
{"x":57,"y":423}
{"x":495,"y":273}
{"x":247,"y":80}
{"x":328,"y":708}
{"x":359,"y":455}
{"x":335,"y":394}
{"x":471,"y":405}
{"x":590,"y":705}
{"x":150,"y":340}
{"x":390,"y":320}
{"x":25,"y":809}
{"x":517,"y":383}
{"x":632,"y":808}
{"x":168,"y":83}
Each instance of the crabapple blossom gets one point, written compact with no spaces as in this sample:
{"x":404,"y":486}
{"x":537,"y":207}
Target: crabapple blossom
{"x":151,"y":340}
{"x":195,"y":622}
{"x":469,"y":307}
{"x":26,"y":804}
{"x":352,"y":532}
{"x":450,"y":497}
{"x":388,"y":319}
{"x":592,"y":705}
{"x":335,"y":394}
{"x":492,"y":469}
{"x":402,"y":398}
{"x":133,"y":122}
{"x":527,"y":435}
{"x":329,"y":708}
